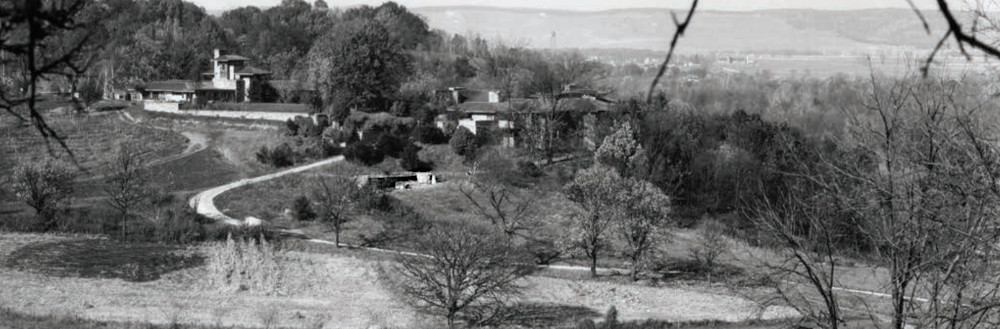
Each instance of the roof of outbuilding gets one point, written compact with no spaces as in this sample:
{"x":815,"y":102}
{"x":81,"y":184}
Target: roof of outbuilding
{"x":186,"y":86}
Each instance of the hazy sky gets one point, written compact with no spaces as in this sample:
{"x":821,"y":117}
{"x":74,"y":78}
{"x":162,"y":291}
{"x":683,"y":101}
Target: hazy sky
{"x":605,"y":4}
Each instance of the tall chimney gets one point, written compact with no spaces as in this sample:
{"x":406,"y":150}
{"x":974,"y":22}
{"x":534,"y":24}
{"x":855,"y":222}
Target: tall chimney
{"x":216,"y":53}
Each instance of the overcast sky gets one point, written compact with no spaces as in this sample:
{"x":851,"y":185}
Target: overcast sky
{"x":605,"y":4}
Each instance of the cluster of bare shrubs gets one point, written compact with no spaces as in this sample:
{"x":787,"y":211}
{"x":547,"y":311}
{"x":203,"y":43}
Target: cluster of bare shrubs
{"x":244,"y":264}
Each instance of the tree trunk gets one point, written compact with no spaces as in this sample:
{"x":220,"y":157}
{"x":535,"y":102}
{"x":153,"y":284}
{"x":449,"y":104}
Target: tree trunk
{"x":551,"y":130}
{"x":899,"y":304}
{"x":593,"y":265}
{"x":336,"y":237}
{"x":635,"y":270}
{"x":124,"y":224}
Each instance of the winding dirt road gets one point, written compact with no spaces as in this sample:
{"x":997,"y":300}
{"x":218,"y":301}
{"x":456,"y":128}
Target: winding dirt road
{"x":204,"y":202}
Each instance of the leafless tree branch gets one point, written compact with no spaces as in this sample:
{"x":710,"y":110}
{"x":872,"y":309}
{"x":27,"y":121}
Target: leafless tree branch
{"x":681,"y":27}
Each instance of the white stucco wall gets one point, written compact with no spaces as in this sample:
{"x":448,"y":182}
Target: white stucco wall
{"x":468,"y":124}
{"x":173,"y":108}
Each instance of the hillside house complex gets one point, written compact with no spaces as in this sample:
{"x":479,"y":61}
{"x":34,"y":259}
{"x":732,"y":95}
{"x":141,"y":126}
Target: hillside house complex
{"x":230,"y":80}
{"x":488,"y":112}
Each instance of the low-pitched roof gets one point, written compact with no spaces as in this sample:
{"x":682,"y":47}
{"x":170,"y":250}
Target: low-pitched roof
{"x":586,"y":105}
{"x":227,"y":58}
{"x":491,"y":108}
{"x":208,"y":85}
{"x":183,"y":86}
{"x":582,"y":104}
{"x":250,"y":70}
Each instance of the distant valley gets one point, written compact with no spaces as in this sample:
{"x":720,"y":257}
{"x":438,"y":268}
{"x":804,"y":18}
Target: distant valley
{"x":800,"y":31}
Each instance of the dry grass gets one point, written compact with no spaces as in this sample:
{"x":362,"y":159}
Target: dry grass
{"x":337,"y":292}
{"x":269,"y":199}
{"x":636,"y":302}
{"x":102,"y":258}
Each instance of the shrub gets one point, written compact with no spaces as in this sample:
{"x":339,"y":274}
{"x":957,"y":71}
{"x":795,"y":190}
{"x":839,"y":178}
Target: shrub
{"x":363,"y":153}
{"x":280,"y":156}
{"x":409,"y":159}
{"x":529,"y":169}
{"x":45,"y":187}
{"x":430,"y":135}
{"x":710,"y":244}
{"x":180,"y":226}
{"x":291,"y":128}
{"x":464,"y":143}
{"x":302,"y":208}
{"x":338,"y":135}
{"x":390,"y":145}
{"x":306,"y":127}
{"x":244,"y":265}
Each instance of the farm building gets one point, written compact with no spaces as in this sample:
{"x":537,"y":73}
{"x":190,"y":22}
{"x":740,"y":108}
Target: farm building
{"x":231,"y":79}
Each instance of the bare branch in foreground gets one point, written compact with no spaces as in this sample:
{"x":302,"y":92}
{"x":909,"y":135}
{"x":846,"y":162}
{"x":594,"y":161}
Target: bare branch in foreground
{"x":681,"y":27}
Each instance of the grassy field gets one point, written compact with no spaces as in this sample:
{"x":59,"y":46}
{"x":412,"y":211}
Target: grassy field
{"x":327,"y":288}
{"x":10,"y":319}
{"x":317,"y":294}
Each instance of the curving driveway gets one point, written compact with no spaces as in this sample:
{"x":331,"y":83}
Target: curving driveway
{"x":204,"y":202}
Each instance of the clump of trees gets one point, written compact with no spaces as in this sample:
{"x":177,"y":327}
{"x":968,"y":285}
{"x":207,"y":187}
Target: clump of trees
{"x":618,"y":208}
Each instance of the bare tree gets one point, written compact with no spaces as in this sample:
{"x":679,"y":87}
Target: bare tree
{"x":337,"y":197}
{"x":40,"y":40}
{"x":808,"y":244}
{"x":45,"y":187}
{"x":710,"y":245}
{"x":127,"y":182}
{"x":923,"y":190}
{"x":465,"y":271}
{"x":495,"y":197}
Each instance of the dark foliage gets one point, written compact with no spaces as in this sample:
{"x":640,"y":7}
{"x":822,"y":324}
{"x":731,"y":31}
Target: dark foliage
{"x":302,"y":208}
{"x":390,"y":145}
{"x":428,"y":134}
{"x":409,"y":159}
{"x":279,"y":157}
{"x":719,"y":163}
{"x":363,"y":153}
{"x":464,"y":143}
{"x":261,"y":91}
{"x":291,"y":128}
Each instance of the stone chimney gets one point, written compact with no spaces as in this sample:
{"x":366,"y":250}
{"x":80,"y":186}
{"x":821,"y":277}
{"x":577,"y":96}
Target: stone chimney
{"x":216,"y":53}
{"x":494,"y":97}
